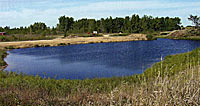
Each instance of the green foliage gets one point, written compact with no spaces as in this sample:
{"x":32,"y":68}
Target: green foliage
{"x":62,"y":44}
{"x":9,"y":47}
{"x":65,"y":35}
{"x":25,"y":37}
{"x":44,"y":33}
{"x":65,"y":23}
{"x":165,"y":33}
{"x":87,"y":35}
{"x":149,"y":37}
{"x":2,"y":38}
{"x":122,"y":34}
{"x":174,"y":64}
{"x":3,"y":54}
{"x":134,"y":24}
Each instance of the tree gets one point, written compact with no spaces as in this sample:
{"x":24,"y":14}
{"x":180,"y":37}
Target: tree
{"x":195,"y":20}
{"x":127,"y":25}
{"x":133,"y":24}
{"x":65,"y":23}
{"x":37,"y":28}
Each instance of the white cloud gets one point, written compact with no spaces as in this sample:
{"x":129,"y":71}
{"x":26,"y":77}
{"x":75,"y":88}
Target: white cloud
{"x":27,"y":16}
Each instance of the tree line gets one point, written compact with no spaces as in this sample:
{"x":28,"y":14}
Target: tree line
{"x":133,"y":24}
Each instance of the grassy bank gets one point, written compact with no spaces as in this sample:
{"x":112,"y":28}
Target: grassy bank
{"x":187,"y":34}
{"x":19,"y":89}
{"x":3,"y":54}
{"x":120,"y":34}
{"x":7,"y":38}
{"x":179,"y":38}
{"x":185,"y":38}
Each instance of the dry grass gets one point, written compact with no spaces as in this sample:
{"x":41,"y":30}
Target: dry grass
{"x":67,"y":41}
{"x":182,"y":89}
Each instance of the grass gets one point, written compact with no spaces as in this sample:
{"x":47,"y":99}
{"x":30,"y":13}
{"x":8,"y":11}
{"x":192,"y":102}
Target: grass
{"x":185,"y":38}
{"x":122,"y":34}
{"x":7,"y":38}
{"x":180,"y":38}
{"x":3,"y":54}
{"x":191,"y":34}
{"x":169,"y":82}
{"x":87,"y":35}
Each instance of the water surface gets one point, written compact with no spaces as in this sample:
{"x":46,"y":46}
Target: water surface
{"x":94,"y":60}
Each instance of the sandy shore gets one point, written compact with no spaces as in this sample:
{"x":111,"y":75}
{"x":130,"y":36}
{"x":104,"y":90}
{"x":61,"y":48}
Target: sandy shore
{"x":69,"y":41}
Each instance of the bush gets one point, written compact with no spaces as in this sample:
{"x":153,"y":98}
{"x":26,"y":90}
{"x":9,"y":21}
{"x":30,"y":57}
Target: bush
{"x":149,"y":37}
{"x":9,"y":47}
{"x":62,"y":44}
{"x":3,"y":54}
{"x":44,"y":33}
{"x":2,"y":38}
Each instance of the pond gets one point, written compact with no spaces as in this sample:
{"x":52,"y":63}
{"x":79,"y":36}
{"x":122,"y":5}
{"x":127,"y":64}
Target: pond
{"x":94,"y":60}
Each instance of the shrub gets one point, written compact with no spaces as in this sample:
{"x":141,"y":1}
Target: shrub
{"x":9,"y":47}
{"x":43,"y":33}
{"x":66,"y":34}
{"x":149,"y":37}
{"x":61,"y":44}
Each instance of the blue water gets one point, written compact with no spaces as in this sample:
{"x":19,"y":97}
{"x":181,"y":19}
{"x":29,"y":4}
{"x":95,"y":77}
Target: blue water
{"x":94,"y":60}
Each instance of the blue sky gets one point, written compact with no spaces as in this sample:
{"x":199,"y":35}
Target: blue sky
{"x":16,"y":13}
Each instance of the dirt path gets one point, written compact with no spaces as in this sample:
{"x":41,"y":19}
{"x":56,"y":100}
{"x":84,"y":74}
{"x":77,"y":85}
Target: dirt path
{"x":68,"y":41}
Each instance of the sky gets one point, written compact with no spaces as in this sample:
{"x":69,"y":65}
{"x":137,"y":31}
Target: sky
{"x":16,"y":13}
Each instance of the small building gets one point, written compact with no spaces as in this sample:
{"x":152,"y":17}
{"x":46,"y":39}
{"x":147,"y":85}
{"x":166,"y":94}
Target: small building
{"x":2,"y":33}
{"x":120,"y":32}
{"x":95,"y":32}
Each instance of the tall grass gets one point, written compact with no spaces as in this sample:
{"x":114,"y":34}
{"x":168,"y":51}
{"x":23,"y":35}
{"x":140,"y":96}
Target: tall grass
{"x":174,"y":81}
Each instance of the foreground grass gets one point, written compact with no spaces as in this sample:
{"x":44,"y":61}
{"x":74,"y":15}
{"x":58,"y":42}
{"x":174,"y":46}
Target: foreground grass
{"x":171,"y":82}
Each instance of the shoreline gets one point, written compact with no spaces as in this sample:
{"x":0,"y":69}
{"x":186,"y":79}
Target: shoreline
{"x":70,"y":41}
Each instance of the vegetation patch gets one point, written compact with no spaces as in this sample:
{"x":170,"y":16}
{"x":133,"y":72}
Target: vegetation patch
{"x":3,"y":54}
{"x":9,"y":47}
{"x":120,"y":34}
{"x":7,"y":38}
{"x":62,"y":44}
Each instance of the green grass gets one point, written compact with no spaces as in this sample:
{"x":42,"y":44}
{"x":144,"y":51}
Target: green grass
{"x":20,"y":89}
{"x":87,"y":35}
{"x":7,"y":38}
{"x":185,"y":38}
{"x":3,"y":54}
{"x":180,"y":38}
{"x":122,"y":34}
{"x":173,"y":64}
